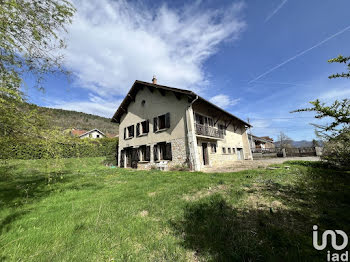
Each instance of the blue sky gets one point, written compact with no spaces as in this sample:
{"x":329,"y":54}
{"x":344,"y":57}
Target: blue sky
{"x":257,"y":59}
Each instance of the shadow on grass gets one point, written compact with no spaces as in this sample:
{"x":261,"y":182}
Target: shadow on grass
{"x":216,"y":231}
{"x":5,"y":224}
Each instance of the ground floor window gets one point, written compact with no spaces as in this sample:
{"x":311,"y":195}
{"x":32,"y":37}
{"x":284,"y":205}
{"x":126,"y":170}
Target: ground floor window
{"x":229,"y":150}
{"x":224,"y":150}
{"x":213,"y":147}
{"x":144,"y":153}
{"x":162,"y":151}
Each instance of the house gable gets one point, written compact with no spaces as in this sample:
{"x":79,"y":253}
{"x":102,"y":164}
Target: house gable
{"x":148,"y":105}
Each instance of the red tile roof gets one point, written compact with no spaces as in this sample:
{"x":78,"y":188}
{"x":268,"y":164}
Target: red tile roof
{"x":78,"y":132}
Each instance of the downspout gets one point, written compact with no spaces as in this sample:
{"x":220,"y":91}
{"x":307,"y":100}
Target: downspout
{"x":194,"y":100}
{"x":189,"y":139}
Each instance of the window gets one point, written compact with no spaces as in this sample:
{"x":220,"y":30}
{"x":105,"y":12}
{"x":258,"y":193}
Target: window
{"x":229,"y":150}
{"x":199,"y":119}
{"x":97,"y":136}
{"x":162,"y":151}
{"x":129,"y":132}
{"x":223,"y":129}
{"x":161,"y":122}
{"x":213,"y":147}
{"x":144,"y":152}
{"x":224,"y":150}
{"x":210,"y":121}
{"x":233,"y":151}
{"x":142,"y":128}
{"x":203,"y":120}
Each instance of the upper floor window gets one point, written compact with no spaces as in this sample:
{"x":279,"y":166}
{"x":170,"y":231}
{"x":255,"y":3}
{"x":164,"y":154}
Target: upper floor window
{"x":222,"y":128}
{"x":142,"y":128}
{"x":161,"y":122}
{"x":229,"y":150}
{"x":224,"y":150}
{"x":203,"y":120}
{"x":129,"y":132}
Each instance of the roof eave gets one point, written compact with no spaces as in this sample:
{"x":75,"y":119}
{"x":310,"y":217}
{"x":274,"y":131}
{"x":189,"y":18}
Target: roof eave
{"x":219,"y":108}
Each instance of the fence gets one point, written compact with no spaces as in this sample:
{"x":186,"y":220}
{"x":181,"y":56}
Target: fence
{"x":259,"y":153}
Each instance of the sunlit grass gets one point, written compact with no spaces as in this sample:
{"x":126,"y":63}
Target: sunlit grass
{"x":80,"y":210}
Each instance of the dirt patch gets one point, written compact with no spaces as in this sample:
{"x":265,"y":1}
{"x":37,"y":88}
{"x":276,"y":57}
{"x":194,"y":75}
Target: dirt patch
{"x":257,"y":200}
{"x":144,"y":213}
{"x":254,"y":164}
{"x":205,"y":192}
{"x":152,"y":194}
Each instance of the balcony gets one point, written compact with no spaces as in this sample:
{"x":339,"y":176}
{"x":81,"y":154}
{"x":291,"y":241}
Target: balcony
{"x":203,"y":130}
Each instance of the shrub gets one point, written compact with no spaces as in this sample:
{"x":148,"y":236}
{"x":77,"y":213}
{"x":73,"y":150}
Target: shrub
{"x":71,"y":147}
{"x":337,"y":150}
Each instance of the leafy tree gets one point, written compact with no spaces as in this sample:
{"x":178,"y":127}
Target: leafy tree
{"x":340,"y":59}
{"x":315,"y":143}
{"x":30,"y":40}
{"x":337,"y":133}
{"x":338,"y":111}
{"x":337,"y":150}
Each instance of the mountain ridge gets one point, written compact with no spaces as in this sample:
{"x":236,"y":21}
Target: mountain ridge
{"x":69,"y":119}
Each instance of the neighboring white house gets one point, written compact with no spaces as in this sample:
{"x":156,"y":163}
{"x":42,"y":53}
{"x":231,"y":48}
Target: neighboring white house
{"x":94,"y":133}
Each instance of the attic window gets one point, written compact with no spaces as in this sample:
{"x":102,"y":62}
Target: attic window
{"x":143,"y":102}
{"x":161,"y":122}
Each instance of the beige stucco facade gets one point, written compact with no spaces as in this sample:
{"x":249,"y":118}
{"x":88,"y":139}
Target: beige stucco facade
{"x":182,"y":133}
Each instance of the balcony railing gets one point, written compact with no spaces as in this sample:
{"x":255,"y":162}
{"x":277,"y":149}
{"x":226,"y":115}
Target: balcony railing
{"x":204,"y":130}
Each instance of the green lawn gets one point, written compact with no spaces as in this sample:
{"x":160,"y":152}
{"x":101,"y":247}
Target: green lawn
{"x":80,"y":210}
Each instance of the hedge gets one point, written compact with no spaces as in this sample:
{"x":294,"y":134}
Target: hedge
{"x":11,"y":149}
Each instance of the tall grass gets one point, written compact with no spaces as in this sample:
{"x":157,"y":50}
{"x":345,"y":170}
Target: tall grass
{"x":85,"y":211}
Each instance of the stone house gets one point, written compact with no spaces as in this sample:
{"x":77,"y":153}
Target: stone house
{"x":163,"y":126}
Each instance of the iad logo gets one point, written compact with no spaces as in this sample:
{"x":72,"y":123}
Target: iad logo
{"x":333,"y":236}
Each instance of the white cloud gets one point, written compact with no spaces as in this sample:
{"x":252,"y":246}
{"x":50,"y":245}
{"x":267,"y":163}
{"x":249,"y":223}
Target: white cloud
{"x":223,"y":101}
{"x":95,"y":105}
{"x":338,"y":93}
{"x":113,"y":43}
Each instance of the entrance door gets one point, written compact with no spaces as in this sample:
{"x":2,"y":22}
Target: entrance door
{"x":205,"y":153}
{"x":239,"y":153}
{"x":134,"y":157}
{"x":128,"y":157}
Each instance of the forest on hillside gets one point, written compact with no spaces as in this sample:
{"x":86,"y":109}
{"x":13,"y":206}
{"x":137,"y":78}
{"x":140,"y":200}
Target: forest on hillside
{"x":66,"y":119}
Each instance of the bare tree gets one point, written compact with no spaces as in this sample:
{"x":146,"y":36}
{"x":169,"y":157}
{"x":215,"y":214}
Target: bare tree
{"x":284,"y":141}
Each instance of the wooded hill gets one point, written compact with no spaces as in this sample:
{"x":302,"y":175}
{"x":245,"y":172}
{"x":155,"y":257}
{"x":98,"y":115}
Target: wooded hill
{"x":66,"y":119}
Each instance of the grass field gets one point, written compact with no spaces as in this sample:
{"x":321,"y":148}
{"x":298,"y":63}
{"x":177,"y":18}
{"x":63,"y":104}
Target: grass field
{"x":80,"y":210}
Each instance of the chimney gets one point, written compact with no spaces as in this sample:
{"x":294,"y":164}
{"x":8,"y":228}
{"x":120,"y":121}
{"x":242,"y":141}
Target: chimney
{"x":154,"y":80}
